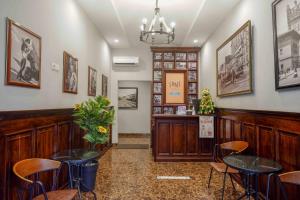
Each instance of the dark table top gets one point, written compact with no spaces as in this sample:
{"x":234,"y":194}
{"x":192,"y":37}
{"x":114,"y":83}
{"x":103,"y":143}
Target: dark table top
{"x":76,"y":156}
{"x":252,"y":164}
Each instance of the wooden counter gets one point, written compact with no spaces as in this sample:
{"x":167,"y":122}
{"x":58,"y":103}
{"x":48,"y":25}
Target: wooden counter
{"x":176,"y":138}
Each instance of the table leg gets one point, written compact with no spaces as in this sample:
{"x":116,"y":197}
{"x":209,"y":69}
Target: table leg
{"x":70,"y":175}
{"x":256,"y":187}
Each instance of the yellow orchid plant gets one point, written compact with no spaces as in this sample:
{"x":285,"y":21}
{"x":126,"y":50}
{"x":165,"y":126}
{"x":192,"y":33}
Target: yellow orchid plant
{"x":95,"y":117}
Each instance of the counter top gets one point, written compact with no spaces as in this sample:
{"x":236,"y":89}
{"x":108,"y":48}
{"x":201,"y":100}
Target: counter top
{"x":174,"y":116}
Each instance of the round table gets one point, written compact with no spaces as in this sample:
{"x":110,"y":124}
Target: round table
{"x":76,"y":158}
{"x":252,"y":166}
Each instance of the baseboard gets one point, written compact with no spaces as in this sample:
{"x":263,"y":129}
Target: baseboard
{"x":135,"y":135}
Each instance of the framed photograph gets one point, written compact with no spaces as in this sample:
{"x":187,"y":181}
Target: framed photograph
{"x":157,"y":88}
{"x":157,"y":65}
{"x":181,"y":65}
{"x":181,"y":110}
{"x":192,"y":56}
{"x":157,"y":100}
{"x":286,"y":20}
{"x":168,"y":56}
{"x":234,"y":63}
{"x":157,"y":56}
{"x":104,"y":85}
{"x":157,"y":110}
{"x":192,"y":65}
{"x":180,"y":56}
{"x":168,"y":65}
{"x":128,"y":98}
{"x":168,"y":110}
{"x":192,"y":76}
{"x":206,"y":124}
{"x":191,"y":98}
{"x":23,"y":57}
{"x":174,"y":85}
{"x":70,"y":78}
{"x":92,"y":82}
{"x":157,"y":75}
{"x":192,"y":88}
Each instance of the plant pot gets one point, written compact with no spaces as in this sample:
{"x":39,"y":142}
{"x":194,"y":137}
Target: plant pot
{"x":89,"y":172}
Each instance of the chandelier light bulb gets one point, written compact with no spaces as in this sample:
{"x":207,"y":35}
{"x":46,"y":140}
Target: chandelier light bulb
{"x":173,"y":24}
{"x":144,"y":21}
{"x":142,"y":27}
{"x":161,"y":19}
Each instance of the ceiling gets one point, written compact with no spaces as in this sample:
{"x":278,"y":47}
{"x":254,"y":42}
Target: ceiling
{"x":121,"y":19}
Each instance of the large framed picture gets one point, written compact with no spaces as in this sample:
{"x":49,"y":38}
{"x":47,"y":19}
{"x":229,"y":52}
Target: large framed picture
{"x":234,"y":63}
{"x":286,"y":22}
{"x":104,"y":85}
{"x":92,"y":82}
{"x":175,"y":85}
{"x":70,"y":79}
{"x":23,"y":57}
{"x":128,"y":98}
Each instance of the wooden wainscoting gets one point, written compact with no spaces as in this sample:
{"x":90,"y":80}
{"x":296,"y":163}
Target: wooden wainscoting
{"x":274,"y":135}
{"x":37,"y":133}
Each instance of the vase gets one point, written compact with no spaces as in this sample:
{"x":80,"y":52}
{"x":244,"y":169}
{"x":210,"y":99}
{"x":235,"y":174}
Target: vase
{"x":89,"y":173}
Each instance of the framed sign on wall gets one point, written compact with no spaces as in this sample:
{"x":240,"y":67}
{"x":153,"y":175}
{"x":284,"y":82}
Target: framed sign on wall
{"x":175,"y":85}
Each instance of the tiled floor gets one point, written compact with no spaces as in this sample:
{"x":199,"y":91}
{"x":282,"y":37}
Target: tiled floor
{"x":131,"y":174}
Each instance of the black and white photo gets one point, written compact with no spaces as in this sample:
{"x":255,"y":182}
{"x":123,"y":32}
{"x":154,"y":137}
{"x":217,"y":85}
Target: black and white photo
{"x":23,"y":56}
{"x":128,"y":98}
{"x":181,"y":56}
{"x":157,"y":88}
{"x":168,"y":65}
{"x":234,"y":64}
{"x":157,"y":100}
{"x":92,"y":81}
{"x":192,"y":88}
{"x":168,"y":110}
{"x":104,"y":85}
{"x":192,"y":56}
{"x":180,"y":65}
{"x":192,"y":65}
{"x":157,"y":110}
{"x":192,"y":76}
{"x":157,"y":75}
{"x":70,"y":76}
{"x":157,"y":56}
{"x":157,"y":65}
{"x":168,"y":56}
{"x":286,"y":23}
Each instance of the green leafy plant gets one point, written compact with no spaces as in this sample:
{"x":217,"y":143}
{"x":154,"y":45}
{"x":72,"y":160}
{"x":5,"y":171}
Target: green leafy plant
{"x":207,"y":106}
{"x":95,"y":117}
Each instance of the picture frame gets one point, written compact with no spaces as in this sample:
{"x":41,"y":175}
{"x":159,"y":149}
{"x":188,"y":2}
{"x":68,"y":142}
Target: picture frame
{"x":180,"y":56}
{"x":157,"y":100}
{"x":23,"y":56}
{"x":157,"y":75}
{"x":175,"y":84}
{"x":234,"y":73}
{"x":169,"y":56}
{"x":157,"y":88}
{"x":192,"y":76}
{"x":70,"y":74}
{"x":104,"y":85}
{"x":157,"y":110}
{"x":128,"y":98}
{"x":168,"y":65}
{"x":157,"y":56}
{"x":192,"y":56}
{"x":181,"y":65}
{"x":286,"y":36}
{"x":92,"y":81}
{"x":168,"y":110}
{"x":157,"y":65}
{"x":192,"y":65}
{"x":192,"y":88}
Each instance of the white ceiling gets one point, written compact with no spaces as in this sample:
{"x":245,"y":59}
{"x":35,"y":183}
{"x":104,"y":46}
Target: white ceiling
{"x":121,"y":19}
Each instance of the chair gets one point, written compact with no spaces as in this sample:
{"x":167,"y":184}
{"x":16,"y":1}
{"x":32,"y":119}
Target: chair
{"x":31,"y":167}
{"x":288,"y":177}
{"x":235,"y":147}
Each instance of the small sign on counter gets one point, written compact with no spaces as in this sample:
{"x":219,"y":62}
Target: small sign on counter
{"x":206,"y":126}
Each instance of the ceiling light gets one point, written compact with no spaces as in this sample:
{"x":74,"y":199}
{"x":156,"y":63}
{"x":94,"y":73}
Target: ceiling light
{"x":116,"y":41}
{"x":196,"y":41}
{"x":158,"y":32}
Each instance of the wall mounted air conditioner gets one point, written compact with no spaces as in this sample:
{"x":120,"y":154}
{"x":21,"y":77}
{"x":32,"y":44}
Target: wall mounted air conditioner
{"x":125,"y":61}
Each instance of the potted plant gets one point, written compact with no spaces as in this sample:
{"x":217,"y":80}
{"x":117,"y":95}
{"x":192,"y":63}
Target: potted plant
{"x":207,"y":117}
{"x":94,"y":116}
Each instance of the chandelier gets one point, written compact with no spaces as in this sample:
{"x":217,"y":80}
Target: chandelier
{"x":158,"y":31}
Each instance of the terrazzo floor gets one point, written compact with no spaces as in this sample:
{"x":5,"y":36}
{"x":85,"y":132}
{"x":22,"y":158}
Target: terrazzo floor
{"x":131,"y":174}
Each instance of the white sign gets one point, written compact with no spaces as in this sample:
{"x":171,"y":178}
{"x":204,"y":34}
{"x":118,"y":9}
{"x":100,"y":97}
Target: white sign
{"x":206,"y":127}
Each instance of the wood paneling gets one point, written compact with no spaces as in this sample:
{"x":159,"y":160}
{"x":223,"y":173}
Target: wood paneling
{"x":274,"y":135}
{"x":176,"y":138}
{"x":29,"y":134}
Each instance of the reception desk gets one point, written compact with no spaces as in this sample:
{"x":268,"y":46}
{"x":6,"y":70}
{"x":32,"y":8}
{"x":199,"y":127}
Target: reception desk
{"x":176,"y":138}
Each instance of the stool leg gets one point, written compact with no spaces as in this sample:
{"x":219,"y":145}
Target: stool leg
{"x":268,"y":186}
{"x":232,"y":182}
{"x":210,"y":175}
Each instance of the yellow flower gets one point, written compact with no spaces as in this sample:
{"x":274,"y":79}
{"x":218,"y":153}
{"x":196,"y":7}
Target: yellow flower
{"x":102,"y":130}
{"x":107,"y":100}
{"x":77,"y":106}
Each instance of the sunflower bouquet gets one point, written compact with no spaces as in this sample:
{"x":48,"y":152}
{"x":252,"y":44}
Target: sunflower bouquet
{"x":95,"y":117}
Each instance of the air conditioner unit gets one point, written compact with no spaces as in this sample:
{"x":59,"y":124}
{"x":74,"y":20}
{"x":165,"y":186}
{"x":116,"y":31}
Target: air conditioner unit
{"x":127,"y":61}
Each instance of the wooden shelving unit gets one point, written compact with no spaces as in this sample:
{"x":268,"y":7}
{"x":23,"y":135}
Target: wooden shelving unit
{"x":183,"y":59}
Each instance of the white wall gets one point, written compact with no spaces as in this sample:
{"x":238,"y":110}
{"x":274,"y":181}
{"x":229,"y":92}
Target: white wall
{"x":142,"y":72}
{"x":63,"y":26}
{"x":265,"y":97}
{"x":136,"y":121}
